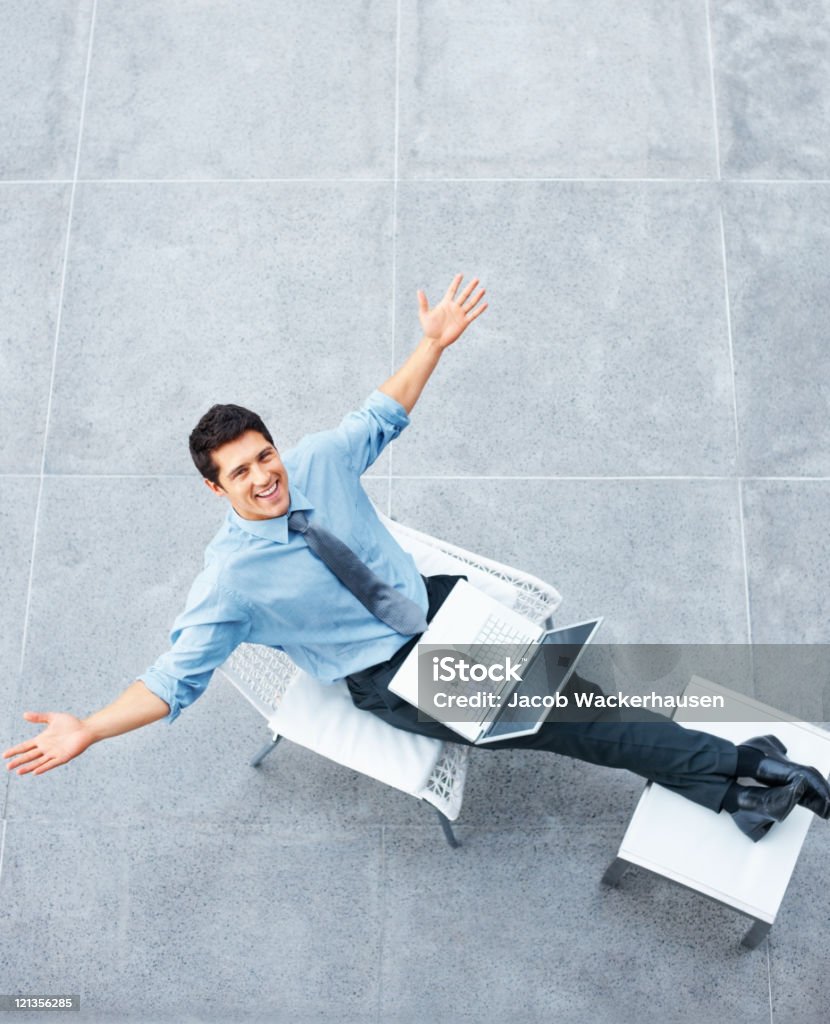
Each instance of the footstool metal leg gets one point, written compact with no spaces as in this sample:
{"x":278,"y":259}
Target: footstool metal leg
{"x":266,"y":750}
{"x":449,"y":835}
{"x":615,"y":870}
{"x":756,"y":934}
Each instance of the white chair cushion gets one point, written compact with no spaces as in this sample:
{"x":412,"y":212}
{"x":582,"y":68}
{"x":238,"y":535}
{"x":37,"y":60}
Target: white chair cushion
{"x":323,"y":718}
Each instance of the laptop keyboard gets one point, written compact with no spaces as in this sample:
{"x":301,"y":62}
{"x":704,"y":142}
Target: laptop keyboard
{"x":496,"y":641}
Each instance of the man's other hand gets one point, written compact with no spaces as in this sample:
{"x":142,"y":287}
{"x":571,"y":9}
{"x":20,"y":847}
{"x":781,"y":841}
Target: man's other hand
{"x":64,"y":737}
{"x":447,"y":321}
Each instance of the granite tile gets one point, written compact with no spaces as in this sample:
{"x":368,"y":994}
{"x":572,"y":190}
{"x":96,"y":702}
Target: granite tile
{"x":62,"y":892}
{"x":787,"y":558}
{"x":661,"y":560}
{"x":778,"y":246}
{"x":275,"y":297}
{"x":205,"y":924}
{"x":33,"y":223}
{"x":18,"y":501}
{"x":772,"y":88}
{"x":799,"y":983}
{"x":46,"y":42}
{"x":264,"y":90}
{"x":794,"y":678}
{"x":514,"y":925}
{"x":573,"y":89}
{"x":604,"y":349}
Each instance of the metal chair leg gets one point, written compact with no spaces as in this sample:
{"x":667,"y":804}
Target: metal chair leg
{"x":266,"y":750}
{"x":756,"y":934}
{"x":449,"y":835}
{"x":615,"y":870}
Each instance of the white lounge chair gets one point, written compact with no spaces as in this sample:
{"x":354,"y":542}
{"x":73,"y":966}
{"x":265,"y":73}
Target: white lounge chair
{"x":323,"y":718}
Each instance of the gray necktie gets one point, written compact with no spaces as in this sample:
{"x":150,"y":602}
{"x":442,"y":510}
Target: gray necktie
{"x":383,"y":601}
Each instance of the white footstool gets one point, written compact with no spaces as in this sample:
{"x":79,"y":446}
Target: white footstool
{"x":703,"y":851}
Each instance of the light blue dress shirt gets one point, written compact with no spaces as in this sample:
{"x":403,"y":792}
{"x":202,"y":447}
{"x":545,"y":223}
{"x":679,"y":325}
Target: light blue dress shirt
{"x":262,"y":584}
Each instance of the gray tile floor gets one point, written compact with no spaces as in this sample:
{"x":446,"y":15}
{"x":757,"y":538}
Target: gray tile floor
{"x":212,"y":201}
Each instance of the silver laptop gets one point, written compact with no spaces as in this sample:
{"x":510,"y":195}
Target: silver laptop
{"x":514,"y":668}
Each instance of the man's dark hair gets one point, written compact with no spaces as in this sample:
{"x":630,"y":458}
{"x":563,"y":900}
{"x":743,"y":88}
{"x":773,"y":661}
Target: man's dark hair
{"x":220,"y":425}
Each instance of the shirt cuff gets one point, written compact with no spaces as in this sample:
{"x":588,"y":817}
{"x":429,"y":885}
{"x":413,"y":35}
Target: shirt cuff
{"x":156,"y":684}
{"x":387,"y":407}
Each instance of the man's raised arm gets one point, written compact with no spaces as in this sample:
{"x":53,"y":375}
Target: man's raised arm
{"x":66,"y":736}
{"x":442,"y":325}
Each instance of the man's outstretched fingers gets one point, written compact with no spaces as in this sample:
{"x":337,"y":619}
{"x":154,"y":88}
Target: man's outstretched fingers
{"x":462,"y":298}
{"x":471,"y":316}
{"x":472,"y":303}
{"x":31,"y":766}
{"x":453,"y":288}
{"x":21,"y":748}
{"x":32,"y":755}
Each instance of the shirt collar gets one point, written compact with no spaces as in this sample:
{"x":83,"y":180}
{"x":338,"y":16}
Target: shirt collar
{"x":276,"y":529}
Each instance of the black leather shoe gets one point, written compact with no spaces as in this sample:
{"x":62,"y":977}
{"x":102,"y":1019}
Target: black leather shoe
{"x":759,"y":807}
{"x":777,"y":770}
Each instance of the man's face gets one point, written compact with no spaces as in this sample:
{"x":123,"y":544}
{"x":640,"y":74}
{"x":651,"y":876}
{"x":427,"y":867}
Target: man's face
{"x":252,"y":477}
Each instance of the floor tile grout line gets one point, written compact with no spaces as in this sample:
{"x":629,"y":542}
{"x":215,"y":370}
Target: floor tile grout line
{"x":233,"y":181}
{"x":633,"y":477}
{"x":555,"y":476}
{"x":382,"y":922}
{"x":438,"y":476}
{"x":739,"y":479}
{"x":769,"y":981}
{"x":729,"y":335}
{"x":711,"y":50}
{"x":746,"y":574}
{"x":382,"y":908}
{"x":396,"y":129}
{"x":58,"y":319}
{"x":407,"y":181}
{"x":37,"y":181}
{"x":2,"y":842}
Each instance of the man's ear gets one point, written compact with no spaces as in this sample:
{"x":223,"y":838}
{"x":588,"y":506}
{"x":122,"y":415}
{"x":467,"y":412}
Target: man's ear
{"x":216,"y":488}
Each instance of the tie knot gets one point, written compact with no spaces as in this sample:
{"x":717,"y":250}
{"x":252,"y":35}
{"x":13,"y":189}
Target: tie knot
{"x":297,"y":521}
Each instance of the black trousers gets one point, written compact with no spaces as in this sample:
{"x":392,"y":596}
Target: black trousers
{"x":695,"y":764}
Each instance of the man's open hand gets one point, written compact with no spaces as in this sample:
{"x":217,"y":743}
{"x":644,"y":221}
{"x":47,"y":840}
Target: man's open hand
{"x":64,"y":737}
{"x":447,"y":321}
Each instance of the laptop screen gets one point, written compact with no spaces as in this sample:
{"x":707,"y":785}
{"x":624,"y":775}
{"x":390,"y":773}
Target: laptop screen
{"x":561,"y":649}
{"x":545,"y":675}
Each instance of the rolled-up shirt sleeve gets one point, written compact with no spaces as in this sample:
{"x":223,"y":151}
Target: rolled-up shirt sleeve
{"x":215,"y":621}
{"x":367,"y":431}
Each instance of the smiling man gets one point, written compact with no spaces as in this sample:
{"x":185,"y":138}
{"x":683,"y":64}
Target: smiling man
{"x":303,"y":563}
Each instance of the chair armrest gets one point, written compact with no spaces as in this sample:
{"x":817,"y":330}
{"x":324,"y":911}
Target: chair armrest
{"x":261,"y":674}
{"x":445,"y":786}
{"x":530,"y":595}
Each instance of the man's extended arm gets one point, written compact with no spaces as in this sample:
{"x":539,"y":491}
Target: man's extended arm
{"x":442,"y":325}
{"x":66,"y":736}
{"x":203,"y":636}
